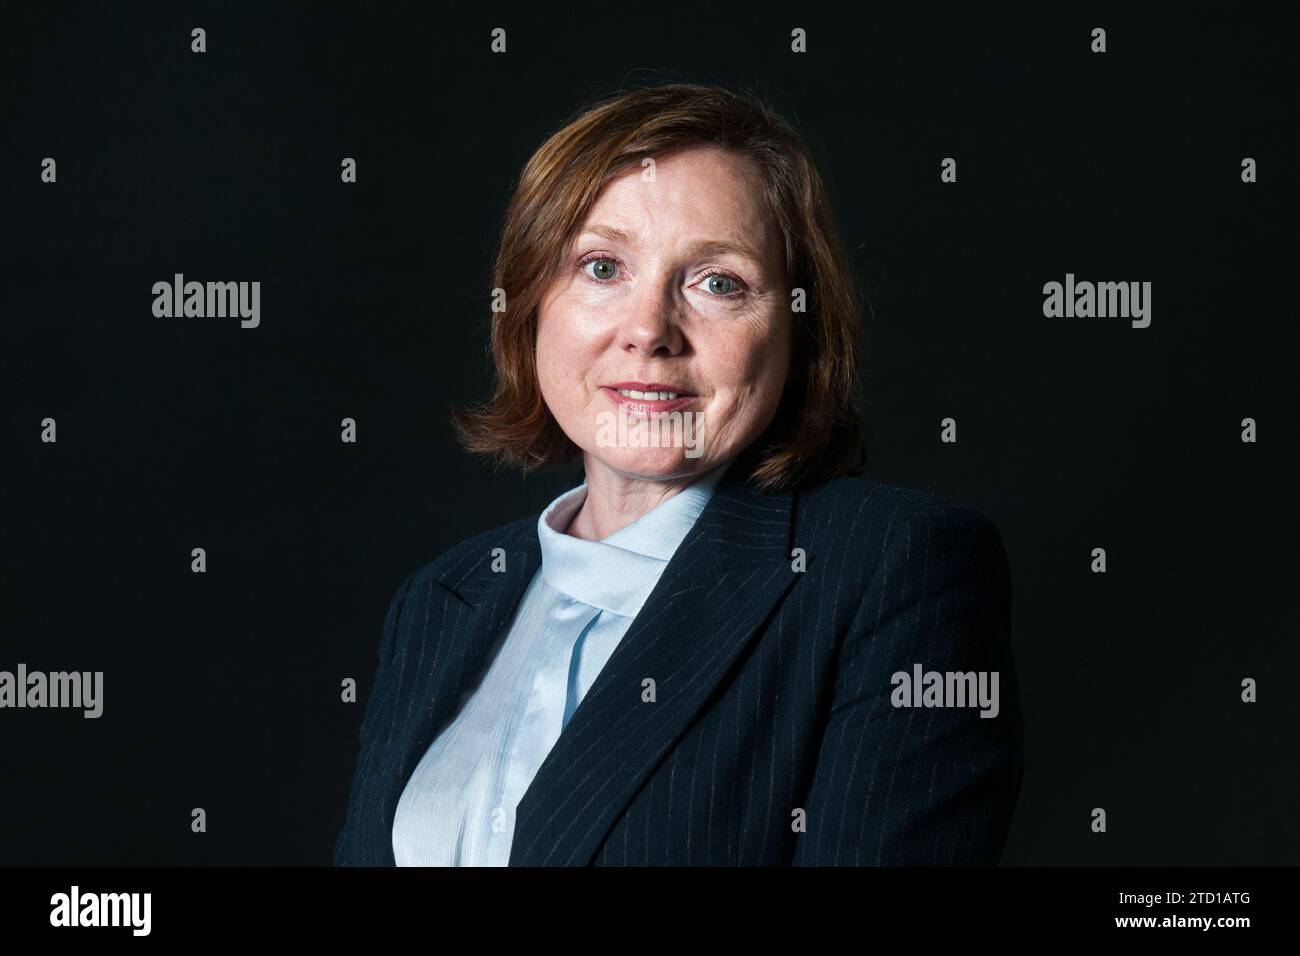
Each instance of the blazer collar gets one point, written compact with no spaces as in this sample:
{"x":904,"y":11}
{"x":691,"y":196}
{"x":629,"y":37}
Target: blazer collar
{"x":729,"y":571}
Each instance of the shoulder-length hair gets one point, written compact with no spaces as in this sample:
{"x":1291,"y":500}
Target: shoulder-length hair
{"x":816,"y":431}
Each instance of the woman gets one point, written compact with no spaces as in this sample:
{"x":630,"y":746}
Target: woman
{"x":724,"y":647}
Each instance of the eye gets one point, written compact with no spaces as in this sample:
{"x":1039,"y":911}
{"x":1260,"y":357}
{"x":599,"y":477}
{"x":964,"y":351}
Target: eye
{"x":722,"y":285}
{"x":606,"y":266}
{"x":719,"y":285}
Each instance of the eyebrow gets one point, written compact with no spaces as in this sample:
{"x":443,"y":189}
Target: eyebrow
{"x":702,"y":247}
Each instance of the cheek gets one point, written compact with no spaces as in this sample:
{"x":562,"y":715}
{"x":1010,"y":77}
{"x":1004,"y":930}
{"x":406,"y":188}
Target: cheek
{"x":568,"y":327}
{"x":550,"y":357}
{"x":564,"y":351}
{"x":755,"y":368}
{"x":544,"y":353}
{"x":554,"y":333}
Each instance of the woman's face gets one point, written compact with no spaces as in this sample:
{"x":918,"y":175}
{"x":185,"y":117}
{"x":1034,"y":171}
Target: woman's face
{"x":675,"y":282}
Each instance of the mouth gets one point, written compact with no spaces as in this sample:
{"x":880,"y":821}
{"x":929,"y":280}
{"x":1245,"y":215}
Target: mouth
{"x":647,"y":397}
{"x":650,"y":391}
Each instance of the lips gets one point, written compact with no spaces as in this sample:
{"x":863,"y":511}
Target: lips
{"x":645,"y":405}
{"x":651,"y":391}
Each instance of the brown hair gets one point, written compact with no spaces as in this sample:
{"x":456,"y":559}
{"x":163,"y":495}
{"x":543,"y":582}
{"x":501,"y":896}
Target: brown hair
{"x":816,"y":431}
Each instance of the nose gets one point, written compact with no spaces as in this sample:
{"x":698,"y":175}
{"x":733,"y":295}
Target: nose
{"x":650,"y":324}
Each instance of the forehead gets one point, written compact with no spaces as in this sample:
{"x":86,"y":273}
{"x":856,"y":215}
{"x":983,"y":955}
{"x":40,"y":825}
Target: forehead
{"x":696,"y":194}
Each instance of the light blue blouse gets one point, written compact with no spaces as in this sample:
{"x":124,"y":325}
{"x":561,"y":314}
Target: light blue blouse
{"x":458,"y":807}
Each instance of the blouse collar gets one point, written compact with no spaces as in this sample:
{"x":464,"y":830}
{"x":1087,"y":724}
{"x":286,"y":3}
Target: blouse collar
{"x":618,"y":572}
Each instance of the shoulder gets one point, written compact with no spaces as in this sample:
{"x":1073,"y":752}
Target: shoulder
{"x":421,"y":585}
{"x":852,"y":506}
{"x":461,"y":558}
{"x":880,"y":527}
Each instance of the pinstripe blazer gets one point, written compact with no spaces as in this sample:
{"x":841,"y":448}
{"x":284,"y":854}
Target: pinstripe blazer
{"x":771,"y":737}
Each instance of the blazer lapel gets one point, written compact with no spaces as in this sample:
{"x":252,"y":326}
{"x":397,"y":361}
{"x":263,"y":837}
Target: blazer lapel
{"x":722,"y":582}
{"x":456,"y":646}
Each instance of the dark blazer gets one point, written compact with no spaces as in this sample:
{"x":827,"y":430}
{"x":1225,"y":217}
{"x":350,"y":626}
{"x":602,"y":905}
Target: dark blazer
{"x":772,"y":739}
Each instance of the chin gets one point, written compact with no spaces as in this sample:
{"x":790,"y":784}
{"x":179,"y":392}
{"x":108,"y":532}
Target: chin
{"x":651,"y":463}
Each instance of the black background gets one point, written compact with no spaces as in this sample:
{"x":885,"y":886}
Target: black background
{"x":221,"y":690}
